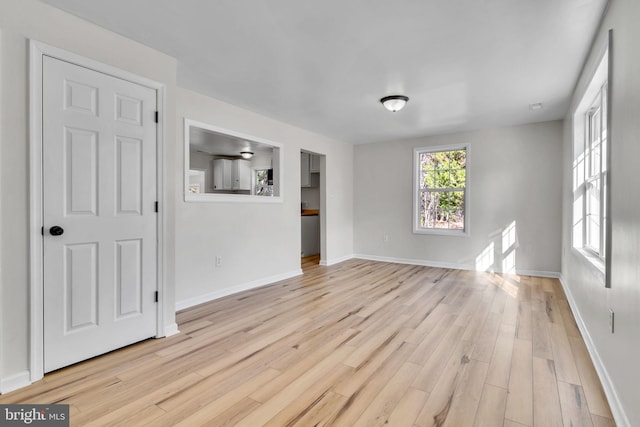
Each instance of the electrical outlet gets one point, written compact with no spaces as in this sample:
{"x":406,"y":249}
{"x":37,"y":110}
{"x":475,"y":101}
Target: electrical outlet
{"x":611,"y":321}
{"x":218,"y":261}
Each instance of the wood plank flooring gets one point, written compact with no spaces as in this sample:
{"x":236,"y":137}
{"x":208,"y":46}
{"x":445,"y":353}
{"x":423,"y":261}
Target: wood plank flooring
{"x":360,"y":343}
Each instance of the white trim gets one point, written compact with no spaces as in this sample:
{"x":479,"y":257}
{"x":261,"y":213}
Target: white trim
{"x":410,"y":261}
{"x":36,"y":51}
{"x":190,"y":302}
{"x":171,"y":329}
{"x":538,"y":273}
{"x":14,"y":382}
{"x":242,"y":198}
{"x":335,"y":261}
{"x":36,"y":348}
{"x":451,"y":265}
{"x":229,"y":198}
{"x":162,"y":226}
{"x":416,"y":165}
{"x":615,"y":404}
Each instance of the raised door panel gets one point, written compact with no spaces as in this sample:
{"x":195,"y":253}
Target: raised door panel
{"x":129,"y":267}
{"x":80,"y":286}
{"x":80,"y":172}
{"x":129,"y":176}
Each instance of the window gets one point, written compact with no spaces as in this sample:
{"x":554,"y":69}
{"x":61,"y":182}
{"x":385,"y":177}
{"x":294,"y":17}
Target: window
{"x":590,"y":170}
{"x":440,"y":197}
{"x":262,"y":185}
{"x":595,"y":175}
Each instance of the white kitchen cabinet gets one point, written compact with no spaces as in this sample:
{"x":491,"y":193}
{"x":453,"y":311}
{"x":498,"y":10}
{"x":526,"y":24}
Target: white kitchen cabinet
{"x":314,"y":163}
{"x":231,"y":174}
{"x":222,"y":174}
{"x":241,"y":175}
{"x":310,"y":235}
{"x":305,"y":174}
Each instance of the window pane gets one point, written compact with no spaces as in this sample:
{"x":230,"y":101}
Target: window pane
{"x":262,"y":187}
{"x":429,"y":206}
{"x":604,"y":216}
{"x":458,"y":178}
{"x":442,"y":179}
{"x":427,"y":171}
{"x":593,"y":214}
{"x":442,"y":210}
{"x":456,"y":210}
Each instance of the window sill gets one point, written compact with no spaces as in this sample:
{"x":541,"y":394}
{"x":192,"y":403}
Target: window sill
{"x":593,"y":263}
{"x":441,"y":232}
{"x":230,"y":198}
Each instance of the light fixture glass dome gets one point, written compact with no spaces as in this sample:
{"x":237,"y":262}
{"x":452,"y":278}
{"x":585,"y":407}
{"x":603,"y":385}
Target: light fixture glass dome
{"x":394,"y":103}
{"x":246,"y":154}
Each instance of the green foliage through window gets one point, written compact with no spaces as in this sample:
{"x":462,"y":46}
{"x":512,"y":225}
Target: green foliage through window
{"x":442,"y":186}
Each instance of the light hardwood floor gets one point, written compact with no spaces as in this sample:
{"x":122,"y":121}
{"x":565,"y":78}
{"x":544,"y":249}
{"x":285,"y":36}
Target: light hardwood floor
{"x":360,"y":343}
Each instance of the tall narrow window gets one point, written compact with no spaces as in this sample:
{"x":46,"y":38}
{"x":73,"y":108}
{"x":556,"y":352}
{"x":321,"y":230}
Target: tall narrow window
{"x":440,"y":190}
{"x":596,"y":174}
{"x":590,"y":169}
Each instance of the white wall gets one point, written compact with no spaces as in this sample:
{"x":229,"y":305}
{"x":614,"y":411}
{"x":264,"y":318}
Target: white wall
{"x":30,"y":19}
{"x":257,"y":241}
{"x":514,"y":175}
{"x":616,"y":355}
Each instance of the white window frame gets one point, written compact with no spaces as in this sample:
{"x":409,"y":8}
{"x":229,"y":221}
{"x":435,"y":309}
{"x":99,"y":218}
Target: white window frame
{"x":596,"y":153}
{"x":417,"y":191}
{"x":596,"y":97}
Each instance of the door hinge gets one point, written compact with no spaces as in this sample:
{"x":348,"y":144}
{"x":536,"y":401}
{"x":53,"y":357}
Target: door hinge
{"x":156,"y":207}
{"x":157,"y":116}
{"x":42,"y":230}
{"x":156,"y":296}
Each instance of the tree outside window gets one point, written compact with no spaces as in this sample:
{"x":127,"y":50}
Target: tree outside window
{"x":441,"y":189}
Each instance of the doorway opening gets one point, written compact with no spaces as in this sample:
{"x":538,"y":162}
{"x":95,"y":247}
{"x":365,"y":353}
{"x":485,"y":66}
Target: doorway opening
{"x":312,"y":208}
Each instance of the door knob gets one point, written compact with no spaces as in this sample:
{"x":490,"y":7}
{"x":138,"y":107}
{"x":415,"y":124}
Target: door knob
{"x":56,"y":230}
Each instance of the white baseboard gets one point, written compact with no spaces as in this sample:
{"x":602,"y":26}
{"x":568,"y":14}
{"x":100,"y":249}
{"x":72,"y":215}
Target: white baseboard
{"x":450,"y":265}
{"x":539,"y":273}
{"x":336,"y":260}
{"x":619,"y":416}
{"x":190,"y":302}
{"x":14,"y":382}
{"x":171,"y":329}
{"x":410,"y":261}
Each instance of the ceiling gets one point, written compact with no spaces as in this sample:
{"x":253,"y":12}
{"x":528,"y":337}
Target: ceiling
{"x":219,"y":144}
{"x":324,"y":65}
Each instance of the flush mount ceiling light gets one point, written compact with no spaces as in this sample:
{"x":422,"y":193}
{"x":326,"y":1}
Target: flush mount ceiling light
{"x":394,"y":103}
{"x":246,"y":154}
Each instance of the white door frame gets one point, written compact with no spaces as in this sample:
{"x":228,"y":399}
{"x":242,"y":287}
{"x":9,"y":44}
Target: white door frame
{"x":37,"y":51}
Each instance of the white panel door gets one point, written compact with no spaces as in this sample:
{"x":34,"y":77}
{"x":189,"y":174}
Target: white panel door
{"x":99,"y":182}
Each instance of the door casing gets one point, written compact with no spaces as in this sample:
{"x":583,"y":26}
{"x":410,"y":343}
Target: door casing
{"x":37,"y":51}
